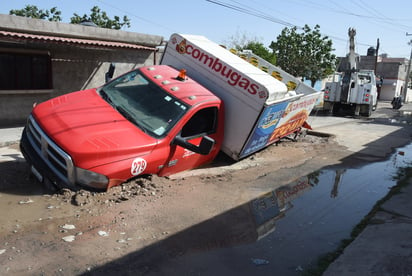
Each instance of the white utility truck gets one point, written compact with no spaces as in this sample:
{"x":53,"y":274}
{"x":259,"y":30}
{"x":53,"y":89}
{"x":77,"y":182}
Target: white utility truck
{"x":353,"y":89}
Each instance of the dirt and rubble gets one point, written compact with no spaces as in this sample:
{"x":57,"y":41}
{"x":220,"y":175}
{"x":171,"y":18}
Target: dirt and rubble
{"x":149,"y":188}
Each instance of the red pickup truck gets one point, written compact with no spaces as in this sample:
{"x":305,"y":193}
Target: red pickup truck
{"x":158,"y":120}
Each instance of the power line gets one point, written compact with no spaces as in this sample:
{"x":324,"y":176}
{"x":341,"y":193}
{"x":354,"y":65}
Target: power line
{"x":253,"y":12}
{"x":259,"y":14}
{"x":136,"y":16}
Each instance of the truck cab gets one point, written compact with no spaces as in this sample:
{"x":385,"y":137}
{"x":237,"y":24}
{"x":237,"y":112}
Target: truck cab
{"x":152,"y":120}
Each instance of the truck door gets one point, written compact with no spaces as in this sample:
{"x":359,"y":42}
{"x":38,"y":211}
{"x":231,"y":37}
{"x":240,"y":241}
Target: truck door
{"x":203,"y":122}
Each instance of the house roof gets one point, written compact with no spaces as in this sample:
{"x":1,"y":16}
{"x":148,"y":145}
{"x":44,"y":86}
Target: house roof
{"x":79,"y":41}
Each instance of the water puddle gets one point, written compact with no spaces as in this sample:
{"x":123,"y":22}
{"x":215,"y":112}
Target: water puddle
{"x":287,"y":229}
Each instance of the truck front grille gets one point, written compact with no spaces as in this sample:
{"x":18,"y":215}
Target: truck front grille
{"x":56,"y":159}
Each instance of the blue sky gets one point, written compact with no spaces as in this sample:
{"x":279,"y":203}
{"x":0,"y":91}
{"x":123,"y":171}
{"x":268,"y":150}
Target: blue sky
{"x":387,"y":20}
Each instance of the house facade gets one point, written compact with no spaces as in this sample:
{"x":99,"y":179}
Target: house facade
{"x":393,"y":73}
{"x":40,"y":60}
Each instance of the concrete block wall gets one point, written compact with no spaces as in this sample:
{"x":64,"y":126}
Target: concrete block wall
{"x":72,"y":70}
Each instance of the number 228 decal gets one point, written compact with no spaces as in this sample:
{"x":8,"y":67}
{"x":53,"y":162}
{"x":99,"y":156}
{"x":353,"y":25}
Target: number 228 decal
{"x":138,"y":166}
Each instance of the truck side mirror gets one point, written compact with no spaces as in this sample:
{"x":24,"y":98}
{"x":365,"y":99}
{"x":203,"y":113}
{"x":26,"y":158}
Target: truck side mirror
{"x":204,"y":148}
{"x":110,"y":72}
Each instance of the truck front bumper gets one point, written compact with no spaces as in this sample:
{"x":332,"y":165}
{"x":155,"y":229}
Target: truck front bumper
{"x":48,"y":162}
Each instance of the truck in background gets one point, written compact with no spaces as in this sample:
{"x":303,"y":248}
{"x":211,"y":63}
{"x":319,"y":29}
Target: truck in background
{"x":162,"y":119}
{"x":352,"y":89}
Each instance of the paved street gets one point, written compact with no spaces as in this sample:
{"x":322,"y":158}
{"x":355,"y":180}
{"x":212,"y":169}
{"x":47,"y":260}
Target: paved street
{"x":382,"y":248}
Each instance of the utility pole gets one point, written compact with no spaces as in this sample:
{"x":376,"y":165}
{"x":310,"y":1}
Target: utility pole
{"x":405,"y":87}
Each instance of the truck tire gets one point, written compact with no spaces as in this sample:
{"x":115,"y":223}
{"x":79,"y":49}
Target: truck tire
{"x":367,"y":110}
{"x":375,"y":106}
{"x":335,"y":108}
{"x":396,"y":102}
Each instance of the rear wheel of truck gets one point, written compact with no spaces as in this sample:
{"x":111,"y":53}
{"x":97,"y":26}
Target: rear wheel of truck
{"x":375,"y":106}
{"x":335,"y":108}
{"x":366,"y":110}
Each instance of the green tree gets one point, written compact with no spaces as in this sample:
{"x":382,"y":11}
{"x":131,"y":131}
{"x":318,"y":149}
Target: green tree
{"x":34,"y":12}
{"x":259,"y":49}
{"x":101,"y":19}
{"x":307,"y":54}
{"x":243,"y":41}
{"x":240,"y":39}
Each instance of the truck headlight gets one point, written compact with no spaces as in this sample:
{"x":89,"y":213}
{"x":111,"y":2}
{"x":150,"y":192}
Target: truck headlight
{"x":91,"y":179}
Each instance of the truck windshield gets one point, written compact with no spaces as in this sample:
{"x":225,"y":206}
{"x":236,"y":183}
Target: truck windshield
{"x":143,"y":103}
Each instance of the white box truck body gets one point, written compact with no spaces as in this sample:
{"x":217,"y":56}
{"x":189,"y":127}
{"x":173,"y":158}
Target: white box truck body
{"x":259,"y":109}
